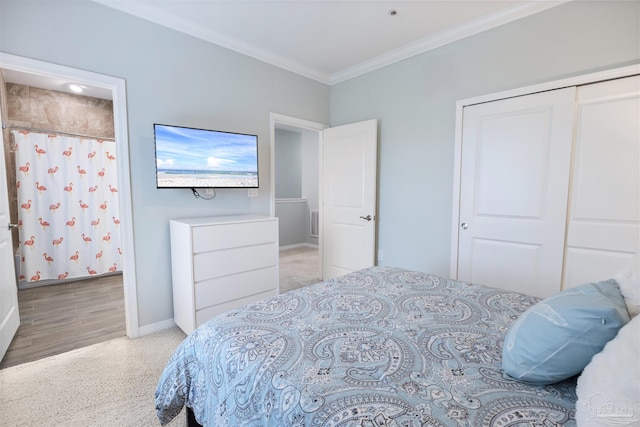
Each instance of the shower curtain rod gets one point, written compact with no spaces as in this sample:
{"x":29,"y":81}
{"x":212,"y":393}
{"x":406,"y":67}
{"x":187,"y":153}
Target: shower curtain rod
{"x":55,"y":132}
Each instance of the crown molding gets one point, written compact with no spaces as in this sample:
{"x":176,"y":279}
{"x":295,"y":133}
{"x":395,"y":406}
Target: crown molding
{"x":443,"y":38}
{"x":149,"y":12}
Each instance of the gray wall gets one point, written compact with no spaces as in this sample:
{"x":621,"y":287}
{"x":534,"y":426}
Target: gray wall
{"x":415,"y":102}
{"x":288,"y":176}
{"x":292,"y":222}
{"x":171,"y":78}
{"x":288,"y":154}
{"x":296,"y":175}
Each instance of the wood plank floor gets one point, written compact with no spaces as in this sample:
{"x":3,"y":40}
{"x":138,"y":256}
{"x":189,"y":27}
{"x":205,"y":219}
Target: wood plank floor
{"x":57,"y":318}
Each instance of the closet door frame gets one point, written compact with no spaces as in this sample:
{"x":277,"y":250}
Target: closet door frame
{"x":461,"y":104}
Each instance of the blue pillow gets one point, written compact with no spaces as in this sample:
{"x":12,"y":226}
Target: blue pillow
{"x":556,"y":338}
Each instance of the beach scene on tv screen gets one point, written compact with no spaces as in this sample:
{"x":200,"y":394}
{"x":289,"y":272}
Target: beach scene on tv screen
{"x":198,"y":158}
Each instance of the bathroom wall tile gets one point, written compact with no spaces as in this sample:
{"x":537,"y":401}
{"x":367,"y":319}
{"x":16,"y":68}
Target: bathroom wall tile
{"x":100,"y":120}
{"x":18,"y":108}
{"x":74,"y":117}
{"x":103,"y":104}
{"x":71,"y":99}
{"x":42,"y":96}
{"x":46,"y":114}
{"x":59,"y":111}
{"x":21,"y":91}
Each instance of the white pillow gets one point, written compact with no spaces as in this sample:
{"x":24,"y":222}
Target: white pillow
{"x":630,"y":289}
{"x":609,"y":387}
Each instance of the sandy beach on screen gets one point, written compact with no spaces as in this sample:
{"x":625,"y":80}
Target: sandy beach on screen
{"x":171,"y":180}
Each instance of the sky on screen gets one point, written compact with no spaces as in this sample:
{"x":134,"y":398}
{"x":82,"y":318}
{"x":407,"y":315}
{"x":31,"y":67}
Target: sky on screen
{"x":182,"y":148}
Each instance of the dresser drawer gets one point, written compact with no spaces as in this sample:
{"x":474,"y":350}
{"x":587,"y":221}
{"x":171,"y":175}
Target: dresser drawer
{"x":209,"y":265}
{"x":222,"y":236}
{"x":235,"y":286}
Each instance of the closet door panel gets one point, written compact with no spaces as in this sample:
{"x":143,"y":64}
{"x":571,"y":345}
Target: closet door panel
{"x":514,"y":186}
{"x":587,"y":265}
{"x":516,"y":258}
{"x":504,"y":150}
{"x":603,"y":235}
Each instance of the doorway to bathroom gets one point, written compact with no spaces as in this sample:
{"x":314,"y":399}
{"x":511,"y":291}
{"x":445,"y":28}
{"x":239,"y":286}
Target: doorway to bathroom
{"x":107,"y":301}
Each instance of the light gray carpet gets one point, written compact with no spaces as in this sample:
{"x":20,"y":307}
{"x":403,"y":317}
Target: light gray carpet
{"x":103,"y":385}
{"x":298,"y":267}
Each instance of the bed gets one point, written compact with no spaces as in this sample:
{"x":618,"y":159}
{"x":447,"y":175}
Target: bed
{"x":378,"y":347}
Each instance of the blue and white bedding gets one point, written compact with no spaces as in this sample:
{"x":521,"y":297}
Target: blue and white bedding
{"x":378,"y":347}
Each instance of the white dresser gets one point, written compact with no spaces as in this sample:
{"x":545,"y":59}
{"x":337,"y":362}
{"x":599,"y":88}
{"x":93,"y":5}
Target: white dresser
{"x":221,"y":263}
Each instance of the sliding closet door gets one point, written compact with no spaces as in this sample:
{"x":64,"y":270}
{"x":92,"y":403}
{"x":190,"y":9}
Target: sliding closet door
{"x":514,"y":186}
{"x":604,"y":215}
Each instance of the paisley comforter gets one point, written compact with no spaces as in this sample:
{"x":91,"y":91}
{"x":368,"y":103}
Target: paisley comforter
{"x":378,"y":347}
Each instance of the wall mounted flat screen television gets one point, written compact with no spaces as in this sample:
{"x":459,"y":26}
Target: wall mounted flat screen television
{"x":201,"y":158}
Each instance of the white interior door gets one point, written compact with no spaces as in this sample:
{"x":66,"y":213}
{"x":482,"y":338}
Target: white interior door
{"x":604,"y":215}
{"x":349,"y":191}
{"x":513,"y":191}
{"x":9,"y":315}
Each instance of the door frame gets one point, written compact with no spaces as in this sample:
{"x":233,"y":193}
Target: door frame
{"x":527,"y":90}
{"x":119,"y":98}
{"x":281,"y":121}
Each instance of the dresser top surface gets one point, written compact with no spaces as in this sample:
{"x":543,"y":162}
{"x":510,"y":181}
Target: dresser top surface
{"x":213,"y":220}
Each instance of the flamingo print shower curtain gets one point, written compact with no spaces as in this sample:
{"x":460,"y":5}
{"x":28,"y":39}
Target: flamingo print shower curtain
{"x":67,"y":206}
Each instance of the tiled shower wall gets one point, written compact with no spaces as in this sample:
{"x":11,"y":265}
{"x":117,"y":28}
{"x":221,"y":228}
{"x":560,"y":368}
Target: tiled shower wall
{"x":31,"y":107}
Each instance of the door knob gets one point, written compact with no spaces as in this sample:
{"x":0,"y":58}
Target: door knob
{"x":464,"y":225}
{"x":367,"y":218}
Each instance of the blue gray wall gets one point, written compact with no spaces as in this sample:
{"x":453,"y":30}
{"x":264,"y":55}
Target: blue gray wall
{"x":296,"y":177}
{"x":171,"y":78}
{"x":415,"y":102}
{"x":288,"y":164}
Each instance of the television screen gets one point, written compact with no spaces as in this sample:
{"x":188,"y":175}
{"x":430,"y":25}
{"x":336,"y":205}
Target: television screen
{"x":201,"y":158}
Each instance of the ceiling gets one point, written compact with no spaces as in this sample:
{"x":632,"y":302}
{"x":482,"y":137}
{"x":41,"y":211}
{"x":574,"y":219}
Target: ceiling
{"x":330,"y":40}
{"x":326,"y":40}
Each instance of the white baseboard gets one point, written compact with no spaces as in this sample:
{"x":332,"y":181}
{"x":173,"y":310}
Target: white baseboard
{"x":298,"y":245}
{"x":156,"y":327}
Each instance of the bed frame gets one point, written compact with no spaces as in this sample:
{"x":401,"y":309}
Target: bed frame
{"x":191,"y":418}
